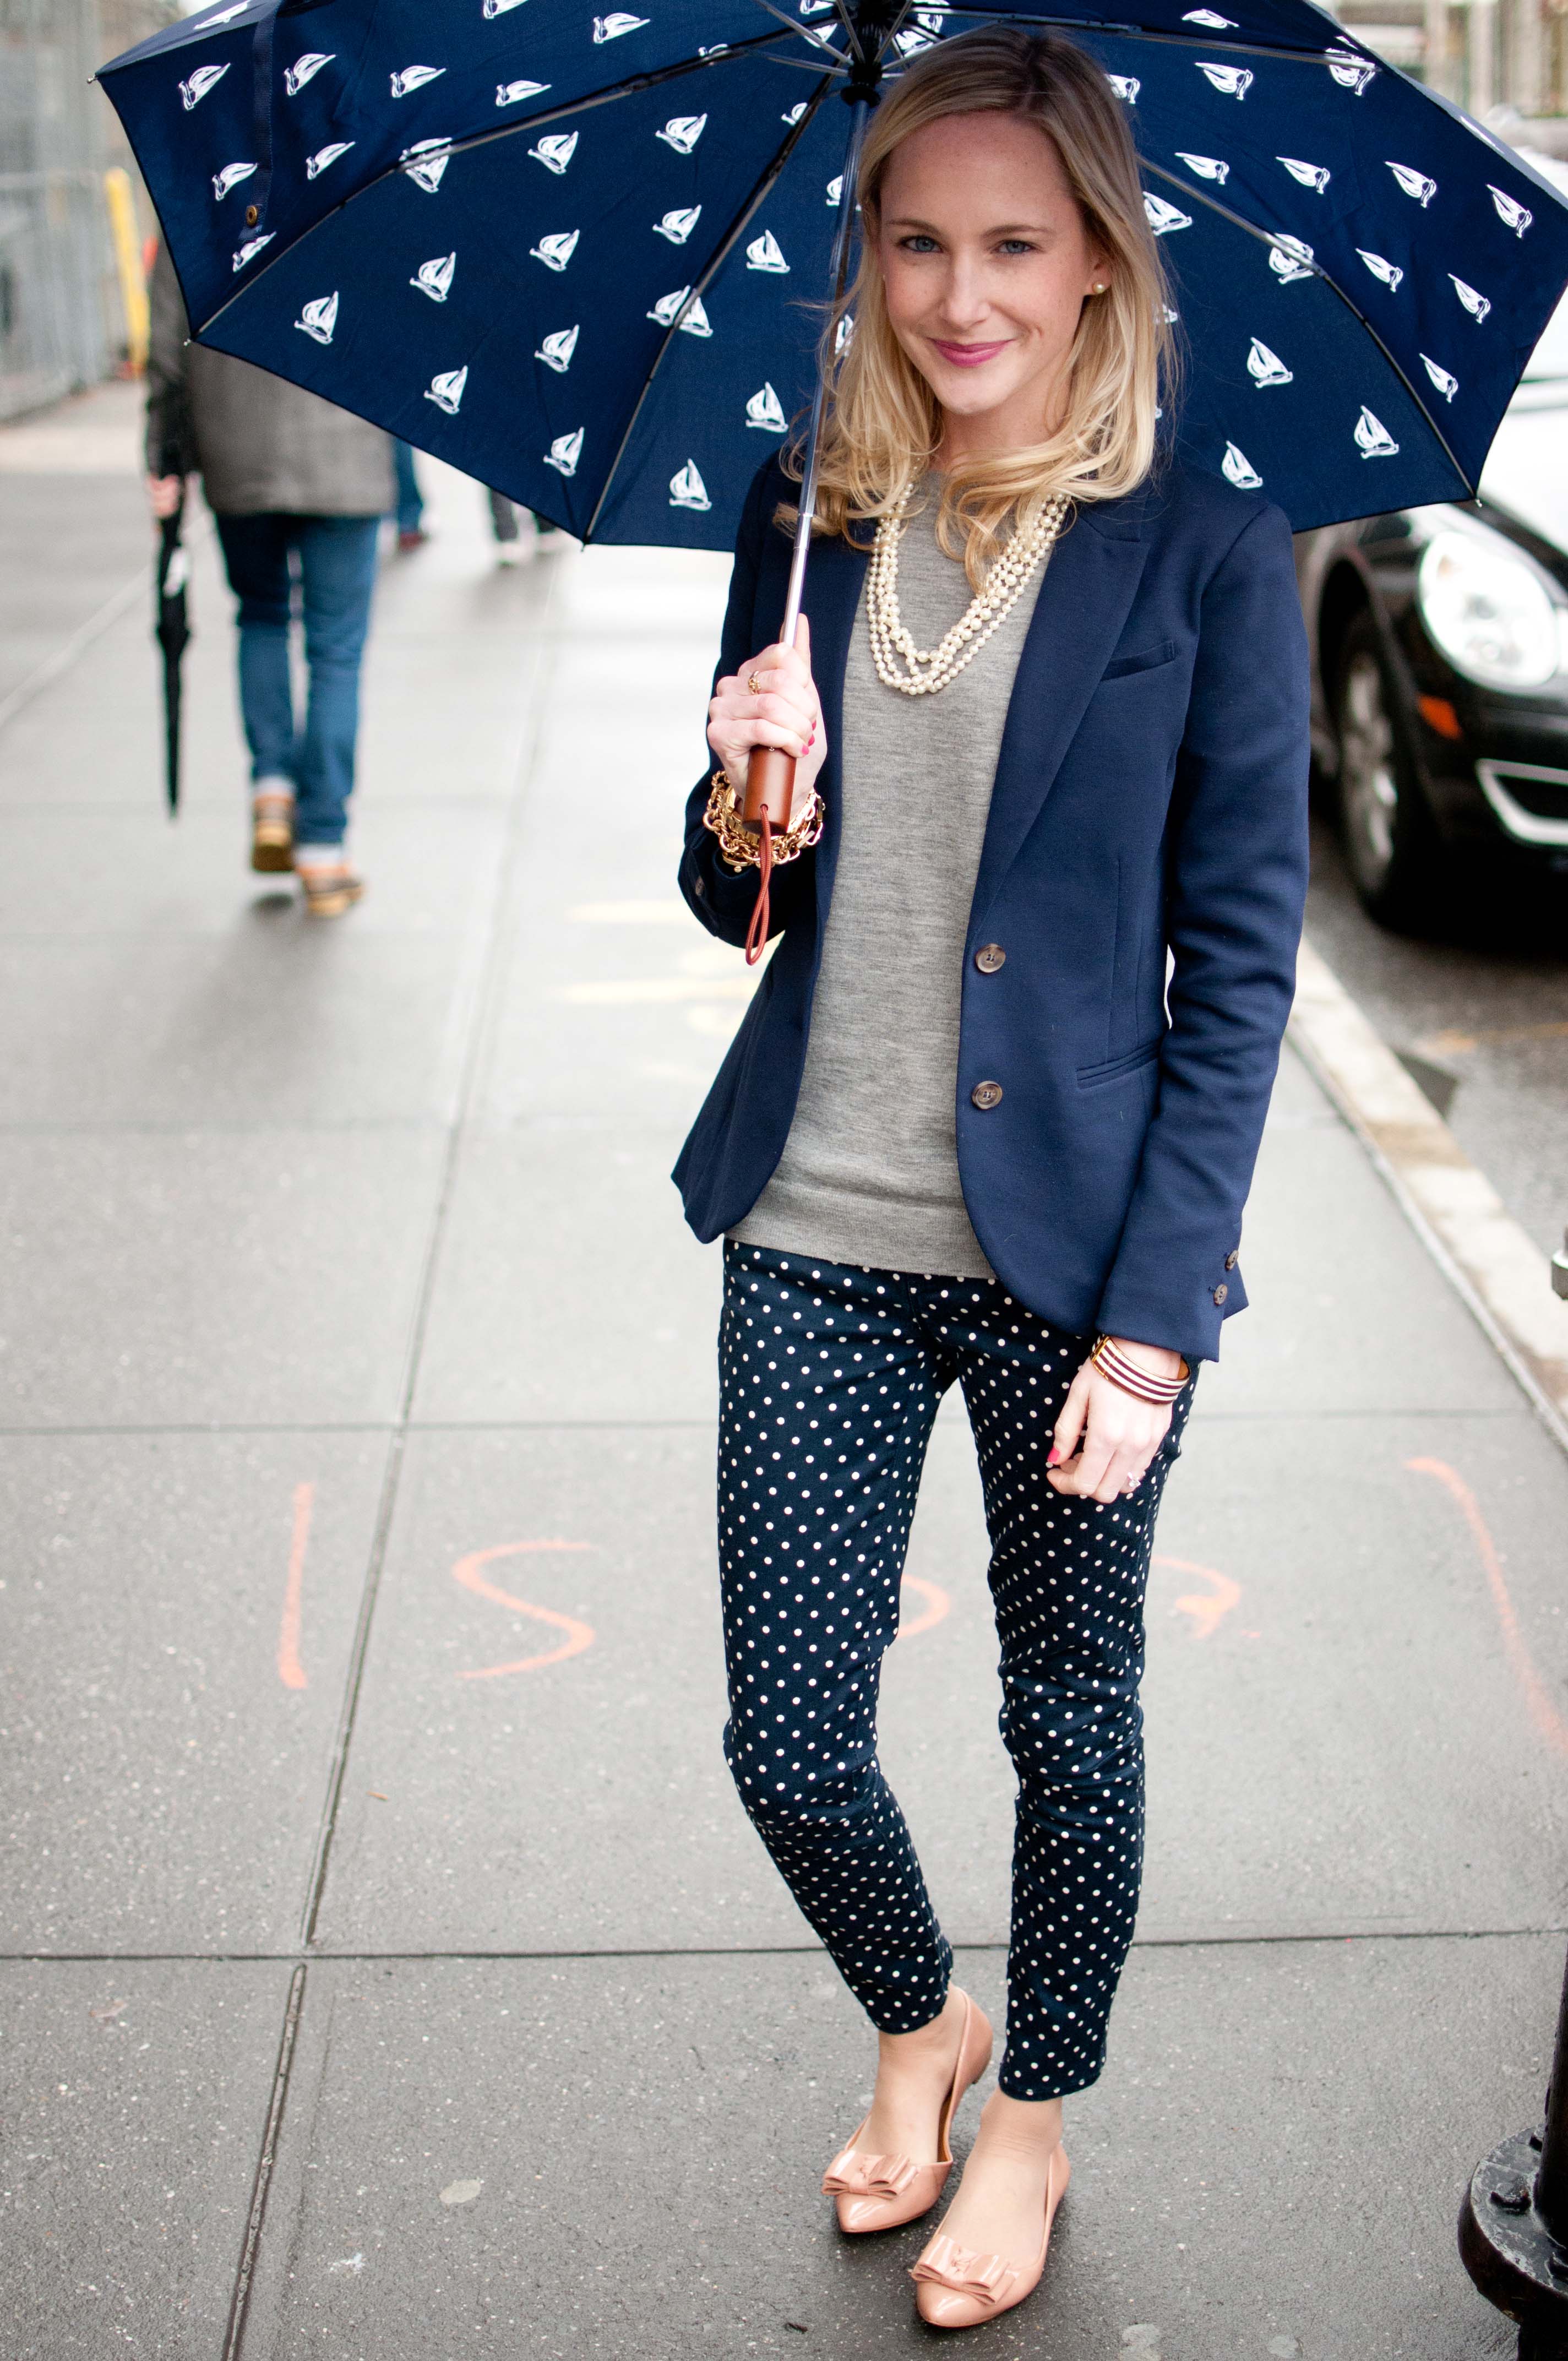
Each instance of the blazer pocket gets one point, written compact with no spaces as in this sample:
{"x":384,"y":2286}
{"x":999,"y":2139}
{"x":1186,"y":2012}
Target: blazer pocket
{"x":1143,"y":662}
{"x":1111,"y":1069}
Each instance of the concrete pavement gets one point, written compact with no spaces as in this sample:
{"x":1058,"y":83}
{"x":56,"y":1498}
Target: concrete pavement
{"x":391,"y":1970}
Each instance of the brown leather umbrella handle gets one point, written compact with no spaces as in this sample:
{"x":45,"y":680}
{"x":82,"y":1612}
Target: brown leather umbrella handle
{"x":770,"y":787}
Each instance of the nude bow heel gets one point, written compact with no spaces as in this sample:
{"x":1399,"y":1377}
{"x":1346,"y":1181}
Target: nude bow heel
{"x":880,"y":2192}
{"x":957,"y":2288}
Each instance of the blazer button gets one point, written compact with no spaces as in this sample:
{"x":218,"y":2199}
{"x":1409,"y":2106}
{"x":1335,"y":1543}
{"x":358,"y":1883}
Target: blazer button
{"x":985,"y":1095}
{"x":1231,"y":1260}
{"x":1221,"y":1293}
{"x":988,"y":958}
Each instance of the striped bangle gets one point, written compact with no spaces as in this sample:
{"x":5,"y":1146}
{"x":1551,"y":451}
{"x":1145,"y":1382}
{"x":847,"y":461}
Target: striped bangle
{"x":1112,"y":1363}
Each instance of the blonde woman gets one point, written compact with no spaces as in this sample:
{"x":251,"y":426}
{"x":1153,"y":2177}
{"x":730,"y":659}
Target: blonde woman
{"x":993,"y":1114}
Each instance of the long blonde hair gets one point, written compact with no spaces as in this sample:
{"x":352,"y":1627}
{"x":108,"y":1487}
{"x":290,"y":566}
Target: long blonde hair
{"x":883,"y":424}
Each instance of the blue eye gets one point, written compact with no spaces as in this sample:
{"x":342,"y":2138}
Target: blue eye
{"x":918,"y":243}
{"x":1015,"y":246}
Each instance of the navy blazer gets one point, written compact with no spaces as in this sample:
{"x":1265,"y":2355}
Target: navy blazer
{"x":1149,"y":820}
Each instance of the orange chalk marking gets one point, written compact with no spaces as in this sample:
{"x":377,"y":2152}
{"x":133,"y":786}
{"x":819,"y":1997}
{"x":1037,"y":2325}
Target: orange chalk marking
{"x":936,"y":1605}
{"x":291,"y":1671}
{"x":578,"y":1635}
{"x":1208,"y":1611}
{"x":1542,"y":1711}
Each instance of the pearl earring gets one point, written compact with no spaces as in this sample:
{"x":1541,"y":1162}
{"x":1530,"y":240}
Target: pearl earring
{"x":1097,"y":289}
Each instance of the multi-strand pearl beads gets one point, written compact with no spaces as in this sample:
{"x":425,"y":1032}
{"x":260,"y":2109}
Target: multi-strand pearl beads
{"x":921,"y":671}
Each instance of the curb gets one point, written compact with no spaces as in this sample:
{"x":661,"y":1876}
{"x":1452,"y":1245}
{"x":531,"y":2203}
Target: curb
{"x":1498,"y":1269}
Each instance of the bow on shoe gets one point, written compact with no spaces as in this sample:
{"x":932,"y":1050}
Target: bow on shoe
{"x":943,"y":2264}
{"x":854,"y":2175}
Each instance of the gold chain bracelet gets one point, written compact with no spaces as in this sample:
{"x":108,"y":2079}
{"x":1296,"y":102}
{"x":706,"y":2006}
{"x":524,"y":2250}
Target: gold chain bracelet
{"x":739,"y":846}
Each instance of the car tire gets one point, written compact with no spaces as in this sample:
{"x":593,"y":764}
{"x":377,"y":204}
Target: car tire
{"x":1390,"y":846}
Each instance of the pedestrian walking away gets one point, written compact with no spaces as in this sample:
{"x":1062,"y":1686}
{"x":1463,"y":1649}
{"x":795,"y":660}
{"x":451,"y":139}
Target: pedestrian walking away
{"x":1050,"y":730}
{"x":298,"y":488}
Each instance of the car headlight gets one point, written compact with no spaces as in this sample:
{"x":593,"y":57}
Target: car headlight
{"x":1489,"y":612}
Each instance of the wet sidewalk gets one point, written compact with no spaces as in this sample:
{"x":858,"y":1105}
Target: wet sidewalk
{"x":391,"y":1969}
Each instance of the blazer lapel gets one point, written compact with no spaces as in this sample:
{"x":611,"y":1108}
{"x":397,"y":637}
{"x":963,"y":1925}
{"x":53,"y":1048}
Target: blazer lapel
{"x":1082,"y":605}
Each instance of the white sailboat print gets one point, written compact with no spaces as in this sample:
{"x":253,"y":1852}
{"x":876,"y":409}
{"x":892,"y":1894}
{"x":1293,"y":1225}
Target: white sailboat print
{"x":667,"y":309}
{"x":512,"y":94}
{"x":1350,"y":71}
{"x":205,"y":78}
{"x":556,"y":250}
{"x":1291,"y":259}
{"x":1310,"y":176}
{"x":1476,"y":305}
{"x":1514,"y":215}
{"x":1388,"y":272}
{"x":556,"y":351}
{"x":1238,"y":469}
{"x":1208,"y":168}
{"x":1163,"y":216}
{"x":614,"y":26}
{"x":678,"y":225}
{"x":792,"y":115}
{"x":1445,"y":382}
{"x":319,"y":318}
{"x":764,"y":253}
{"x":1231,"y":82}
{"x":555,"y":150}
{"x":434,"y":278}
{"x":412,"y":78}
{"x":682,"y":132}
{"x":766,"y":411}
{"x":318,"y":163}
{"x":1373,"y":438}
{"x":425,"y":162}
{"x":305,"y":68}
{"x":446,"y":391}
{"x":687,"y":490}
{"x":1419,"y":185}
{"x":1126,"y":87}
{"x":1266,"y":367}
{"x":230,"y":178}
{"x":564,"y":453}
{"x":251,"y":248}
{"x":835,"y":189}
{"x":499,"y":8}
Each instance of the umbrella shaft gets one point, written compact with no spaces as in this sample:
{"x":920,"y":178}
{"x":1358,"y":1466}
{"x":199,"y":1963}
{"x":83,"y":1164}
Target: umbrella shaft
{"x":861,"y":115}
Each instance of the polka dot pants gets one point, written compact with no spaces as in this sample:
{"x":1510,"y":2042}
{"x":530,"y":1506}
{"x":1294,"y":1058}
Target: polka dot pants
{"x":830,"y":1379}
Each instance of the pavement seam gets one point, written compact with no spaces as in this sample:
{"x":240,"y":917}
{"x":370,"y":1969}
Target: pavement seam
{"x":1493,"y":1265}
{"x":45,"y":674}
{"x":239,"y":2303}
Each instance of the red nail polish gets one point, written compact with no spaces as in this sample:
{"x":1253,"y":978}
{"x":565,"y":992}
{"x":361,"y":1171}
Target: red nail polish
{"x":1053,"y":1457}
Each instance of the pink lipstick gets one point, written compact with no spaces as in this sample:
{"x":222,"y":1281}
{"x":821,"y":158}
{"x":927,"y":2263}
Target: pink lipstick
{"x":969,"y":355}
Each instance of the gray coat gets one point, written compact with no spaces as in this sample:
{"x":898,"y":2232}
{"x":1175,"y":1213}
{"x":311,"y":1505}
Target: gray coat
{"x":258,"y":442}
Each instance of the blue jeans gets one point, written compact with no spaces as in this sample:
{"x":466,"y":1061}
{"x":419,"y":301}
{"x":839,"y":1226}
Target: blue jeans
{"x":829,"y":1380}
{"x":334,"y":560}
{"x":411,"y":503}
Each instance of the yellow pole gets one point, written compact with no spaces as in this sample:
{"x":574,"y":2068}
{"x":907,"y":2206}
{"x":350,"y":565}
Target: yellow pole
{"x":133,"y":285}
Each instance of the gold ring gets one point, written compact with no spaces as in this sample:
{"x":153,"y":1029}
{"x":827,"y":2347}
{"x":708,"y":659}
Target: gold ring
{"x":753,"y":684}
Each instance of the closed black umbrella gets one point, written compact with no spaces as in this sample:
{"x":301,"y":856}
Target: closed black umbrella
{"x":172,"y":631}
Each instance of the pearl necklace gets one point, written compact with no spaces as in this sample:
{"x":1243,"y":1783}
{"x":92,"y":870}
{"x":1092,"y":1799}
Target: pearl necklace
{"x":921,"y":671}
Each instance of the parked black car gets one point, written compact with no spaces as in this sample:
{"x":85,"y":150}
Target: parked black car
{"x":1440,"y":666}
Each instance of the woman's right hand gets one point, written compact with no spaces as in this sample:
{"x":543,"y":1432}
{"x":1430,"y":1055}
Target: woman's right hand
{"x":784,"y":710}
{"x":164,"y":494}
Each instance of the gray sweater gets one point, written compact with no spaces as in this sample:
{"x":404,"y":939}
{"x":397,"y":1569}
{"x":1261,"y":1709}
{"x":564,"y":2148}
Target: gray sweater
{"x":258,"y":442}
{"x":869,"y":1174}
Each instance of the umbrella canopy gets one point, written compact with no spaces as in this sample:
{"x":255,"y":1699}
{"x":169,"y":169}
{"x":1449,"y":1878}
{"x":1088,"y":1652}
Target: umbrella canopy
{"x":582,"y":257}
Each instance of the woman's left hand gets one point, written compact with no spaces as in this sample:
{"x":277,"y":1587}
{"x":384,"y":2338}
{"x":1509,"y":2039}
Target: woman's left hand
{"x":1106,"y":1437}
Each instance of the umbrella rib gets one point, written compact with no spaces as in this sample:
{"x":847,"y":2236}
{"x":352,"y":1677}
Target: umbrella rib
{"x":759,"y":191}
{"x":1271,"y":237}
{"x":801,"y":32}
{"x":763,"y":43}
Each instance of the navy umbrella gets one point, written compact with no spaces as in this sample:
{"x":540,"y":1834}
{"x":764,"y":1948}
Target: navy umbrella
{"x":582,"y":257}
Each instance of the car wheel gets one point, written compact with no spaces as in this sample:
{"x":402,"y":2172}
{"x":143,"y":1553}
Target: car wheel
{"x":1389,"y":844}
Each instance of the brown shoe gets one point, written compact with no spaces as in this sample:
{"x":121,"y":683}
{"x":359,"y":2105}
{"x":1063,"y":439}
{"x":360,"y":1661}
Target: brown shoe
{"x":330,"y":892}
{"x":272,"y":832}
